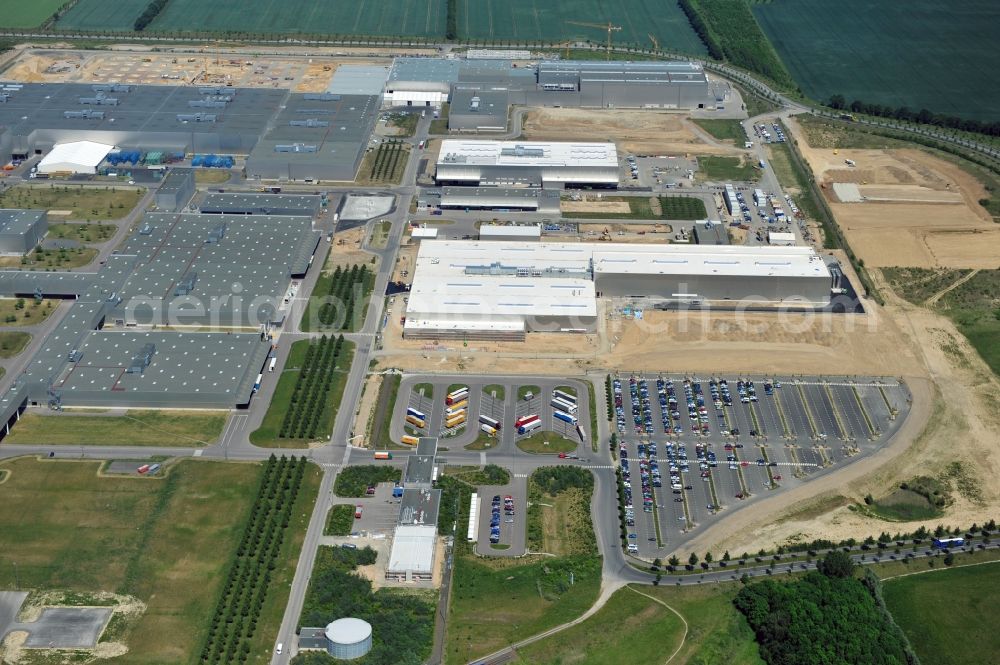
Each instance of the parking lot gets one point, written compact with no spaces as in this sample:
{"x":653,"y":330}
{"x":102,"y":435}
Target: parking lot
{"x":510,"y":538}
{"x":690,"y":447}
{"x":525,"y":401}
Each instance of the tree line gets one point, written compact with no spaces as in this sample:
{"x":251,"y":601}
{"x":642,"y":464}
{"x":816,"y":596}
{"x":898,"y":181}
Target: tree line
{"x":342,"y":288}
{"x":923,"y":116}
{"x":234,"y":623}
{"x":151,"y":11}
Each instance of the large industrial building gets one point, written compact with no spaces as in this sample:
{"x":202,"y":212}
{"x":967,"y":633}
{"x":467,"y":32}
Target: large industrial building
{"x":285,"y":135}
{"x":481,"y":91}
{"x":21,"y":230}
{"x":231,"y":274}
{"x":527,"y":164}
{"x":503,"y":290}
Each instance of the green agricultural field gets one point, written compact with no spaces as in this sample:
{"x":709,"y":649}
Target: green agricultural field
{"x":21,"y":14}
{"x":949,"y":616}
{"x":525,"y":21}
{"x":367,"y":17}
{"x":721,"y":169}
{"x":168,"y":542}
{"x":920,"y":54}
{"x":102,"y":15}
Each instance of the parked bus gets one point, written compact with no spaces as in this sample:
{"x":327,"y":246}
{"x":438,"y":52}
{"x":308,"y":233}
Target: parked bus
{"x":409,"y":440}
{"x":945,"y":543}
{"x":486,"y":420}
{"x":457,"y":396}
{"x":410,"y":411}
{"x":416,"y":422}
{"x":564,"y":396}
{"x":381,"y":454}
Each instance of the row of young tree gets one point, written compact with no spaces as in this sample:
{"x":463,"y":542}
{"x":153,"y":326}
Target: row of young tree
{"x":234,"y":623}
{"x":344,"y":295}
{"x":310,"y":396}
{"x":386,"y":159}
{"x":923,"y":116}
{"x":824,"y":617}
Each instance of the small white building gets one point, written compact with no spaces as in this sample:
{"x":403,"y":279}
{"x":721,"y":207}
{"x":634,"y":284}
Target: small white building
{"x":781,"y":238}
{"x":412,"y":555}
{"x":75,"y":157}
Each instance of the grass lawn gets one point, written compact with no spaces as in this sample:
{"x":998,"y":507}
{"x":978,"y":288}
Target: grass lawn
{"x":84,"y":233}
{"x":522,"y":391}
{"x":457,"y":386}
{"x":84,"y":203}
{"x":340,"y":520}
{"x":20,"y":14}
{"x":724,"y":130}
{"x":561,"y":518}
{"x":168,"y":542}
{"x":542,"y":443}
{"x":495,"y":390}
{"x":380,"y":234}
{"x":495,"y":603}
{"x":52,"y":259}
{"x":568,"y":390}
{"x":267,"y":434}
{"x":949,"y":615}
{"x":12,"y":343}
{"x":385,"y":164}
{"x":426,"y":389}
{"x":593,"y":416}
{"x":439,"y":125}
{"x":628,"y":624}
{"x":726,"y":169}
{"x":405,"y":122}
{"x":136,"y":428}
{"x":211,"y":176}
{"x":483,"y":442}
{"x":717,"y":632}
{"x":382,"y":418}
{"x":29,"y":313}
{"x":343,"y":293}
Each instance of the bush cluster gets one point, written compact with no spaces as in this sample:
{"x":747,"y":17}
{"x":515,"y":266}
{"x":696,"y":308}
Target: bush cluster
{"x":152,"y":10}
{"x":344,"y":287}
{"x":354,"y":480}
{"x":309,"y":397}
{"x":235,"y":620}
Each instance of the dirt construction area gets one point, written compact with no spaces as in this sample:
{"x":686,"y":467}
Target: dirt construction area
{"x":201,"y":68}
{"x":917,"y":210}
{"x":636,"y":132}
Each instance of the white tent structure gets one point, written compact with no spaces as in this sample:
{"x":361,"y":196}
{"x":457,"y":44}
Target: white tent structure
{"x":75,"y":157}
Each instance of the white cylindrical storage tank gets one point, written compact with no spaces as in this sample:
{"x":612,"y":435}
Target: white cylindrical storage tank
{"x":348,"y":638}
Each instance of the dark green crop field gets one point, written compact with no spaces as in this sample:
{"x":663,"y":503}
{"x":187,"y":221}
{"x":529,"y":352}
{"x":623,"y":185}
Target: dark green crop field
{"x":531,"y":20}
{"x":334,"y":17}
{"x":119,"y":15}
{"x":941,"y":56}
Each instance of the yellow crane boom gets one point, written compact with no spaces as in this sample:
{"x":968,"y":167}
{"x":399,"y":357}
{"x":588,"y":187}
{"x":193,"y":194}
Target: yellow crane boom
{"x":609,"y":27}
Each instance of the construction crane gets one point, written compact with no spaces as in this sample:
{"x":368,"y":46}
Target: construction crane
{"x":609,"y":27}
{"x":656,"y":42}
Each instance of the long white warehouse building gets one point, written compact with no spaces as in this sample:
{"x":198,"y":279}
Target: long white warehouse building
{"x":536,"y":164}
{"x":503,"y":290}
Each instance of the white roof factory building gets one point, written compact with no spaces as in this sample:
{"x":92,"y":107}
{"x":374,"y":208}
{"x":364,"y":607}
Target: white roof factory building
{"x":502,"y":290}
{"x":526,"y":163}
{"x":75,"y":157}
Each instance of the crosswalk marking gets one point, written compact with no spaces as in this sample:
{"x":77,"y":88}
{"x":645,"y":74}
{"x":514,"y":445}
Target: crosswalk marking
{"x":520,"y":475}
{"x":845,"y":383}
{"x":198,"y":452}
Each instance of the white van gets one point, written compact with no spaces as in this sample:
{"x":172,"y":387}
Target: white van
{"x":279,"y":648}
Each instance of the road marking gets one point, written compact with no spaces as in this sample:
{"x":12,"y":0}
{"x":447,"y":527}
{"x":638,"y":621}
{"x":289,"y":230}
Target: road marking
{"x":599,"y":466}
{"x":197,"y":453}
{"x":482,"y":459}
{"x":520,"y":475}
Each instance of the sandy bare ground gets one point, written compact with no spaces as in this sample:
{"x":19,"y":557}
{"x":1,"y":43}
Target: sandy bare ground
{"x":596,"y":206}
{"x":923,"y":211}
{"x":346,"y":250}
{"x":643,"y":132}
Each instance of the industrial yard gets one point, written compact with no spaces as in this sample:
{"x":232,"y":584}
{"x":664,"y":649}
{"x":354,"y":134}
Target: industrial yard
{"x":602,"y":319}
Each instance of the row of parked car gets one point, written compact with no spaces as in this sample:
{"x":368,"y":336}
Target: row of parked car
{"x":762,"y":131}
{"x":508,"y":509}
